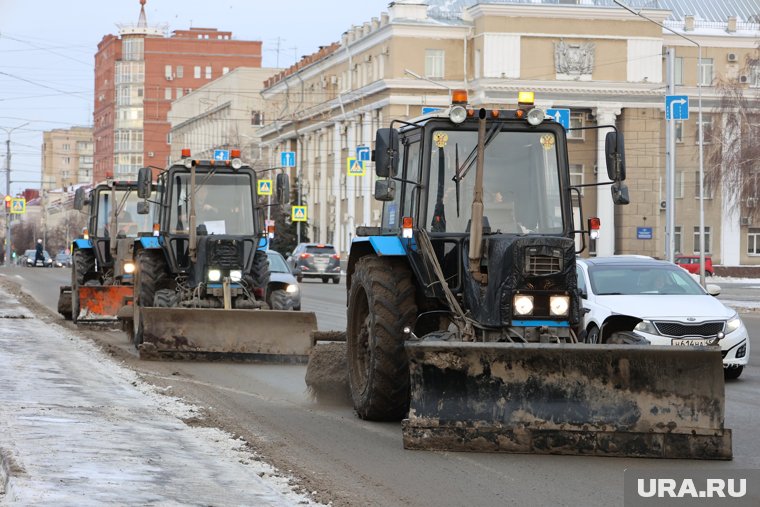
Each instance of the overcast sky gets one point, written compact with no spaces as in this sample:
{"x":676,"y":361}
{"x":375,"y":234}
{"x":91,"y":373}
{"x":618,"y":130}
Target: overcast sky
{"x":47,"y":49}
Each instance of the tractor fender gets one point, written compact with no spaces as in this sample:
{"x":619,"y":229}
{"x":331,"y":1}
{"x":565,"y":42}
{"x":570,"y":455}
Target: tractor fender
{"x":148,"y":242}
{"x":81,"y":243}
{"x":372,"y":245}
{"x":619,"y":324}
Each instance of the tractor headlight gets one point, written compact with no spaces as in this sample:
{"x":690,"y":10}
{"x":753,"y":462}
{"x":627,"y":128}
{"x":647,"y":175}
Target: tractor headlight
{"x":214,"y":275}
{"x":733,"y":324}
{"x":523,"y":305}
{"x":536,"y":116}
{"x":559,"y":305}
{"x":129,"y":267}
{"x":457,"y":114}
{"x":236,"y":275}
{"x":236,"y":163}
{"x":291,"y":289}
{"x":646,"y":326}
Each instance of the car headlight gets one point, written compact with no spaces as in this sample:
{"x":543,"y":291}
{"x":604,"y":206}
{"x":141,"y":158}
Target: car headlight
{"x":646,"y":326}
{"x":291,"y":289}
{"x":236,"y":275}
{"x":559,"y":305}
{"x":733,"y":324}
{"x":129,"y":267}
{"x":214,"y":275}
{"x":523,"y":304}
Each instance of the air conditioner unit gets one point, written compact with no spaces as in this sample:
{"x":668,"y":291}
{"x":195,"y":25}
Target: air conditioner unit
{"x":169,"y":78}
{"x":745,"y":221}
{"x":376,"y":215}
{"x":663,"y":204}
{"x":151,"y":154}
{"x":368,"y":58}
{"x":744,"y":79}
{"x":751,"y":202}
{"x":731,"y":57}
{"x":590,"y":117}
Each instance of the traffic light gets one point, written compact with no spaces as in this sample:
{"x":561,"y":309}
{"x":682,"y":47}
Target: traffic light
{"x":8,"y":202}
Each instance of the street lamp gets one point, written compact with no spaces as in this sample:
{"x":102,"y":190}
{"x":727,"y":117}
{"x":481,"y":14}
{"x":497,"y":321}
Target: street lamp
{"x":701,"y":149}
{"x":8,"y":191}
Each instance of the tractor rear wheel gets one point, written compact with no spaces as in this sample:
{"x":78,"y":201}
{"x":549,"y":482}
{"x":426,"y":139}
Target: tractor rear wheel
{"x":149,"y":276}
{"x":381,"y":304}
{"x":259,"y":274}
{"x":83,"y":262}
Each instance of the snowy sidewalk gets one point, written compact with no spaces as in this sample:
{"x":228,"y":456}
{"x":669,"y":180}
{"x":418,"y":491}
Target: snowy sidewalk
{"x":78,"y":429}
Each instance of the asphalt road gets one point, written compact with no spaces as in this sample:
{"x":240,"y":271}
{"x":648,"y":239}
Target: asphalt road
{"x":351,"y":462}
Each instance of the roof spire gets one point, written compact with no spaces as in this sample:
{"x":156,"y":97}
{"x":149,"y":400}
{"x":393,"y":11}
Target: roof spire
{"x":142,"y":22}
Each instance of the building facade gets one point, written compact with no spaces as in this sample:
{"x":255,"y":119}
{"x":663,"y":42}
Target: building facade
{"x":597,"y":59}
{"x":67,"y":157}
{"x":138,"y":74}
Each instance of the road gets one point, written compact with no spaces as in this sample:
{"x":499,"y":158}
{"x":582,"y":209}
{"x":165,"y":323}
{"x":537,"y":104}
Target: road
{"x":347,"y":461}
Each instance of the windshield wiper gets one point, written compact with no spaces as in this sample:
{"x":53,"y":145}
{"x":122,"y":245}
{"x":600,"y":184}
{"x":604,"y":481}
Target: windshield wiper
{"x":465,"y":167}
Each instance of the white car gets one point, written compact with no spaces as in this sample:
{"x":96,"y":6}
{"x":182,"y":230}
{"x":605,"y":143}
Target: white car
{"x":673,"y":308}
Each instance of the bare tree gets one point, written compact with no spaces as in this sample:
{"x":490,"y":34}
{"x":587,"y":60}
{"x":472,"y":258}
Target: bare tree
{"x":732,"y":157}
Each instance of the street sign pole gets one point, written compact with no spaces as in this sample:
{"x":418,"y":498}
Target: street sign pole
{"x":670,"y":174}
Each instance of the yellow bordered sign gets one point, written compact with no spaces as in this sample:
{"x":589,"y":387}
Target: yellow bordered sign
{"x":265,"y":187}
{"x":298,"y":214}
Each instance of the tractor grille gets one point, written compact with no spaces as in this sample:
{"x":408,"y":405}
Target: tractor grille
{"x":706,"y":329}
{"x":225,"y":253}
{"x":537,"y":265}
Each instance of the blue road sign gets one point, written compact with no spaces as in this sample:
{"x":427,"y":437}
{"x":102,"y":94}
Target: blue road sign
{"x":676,"y":107}
{"x":643,"y":233}
{"x":288,"y":158}
{"x":362,"y":153}
{"x":428,"y":110}
{"x":561,"y":116}
{"x":221,"y":155}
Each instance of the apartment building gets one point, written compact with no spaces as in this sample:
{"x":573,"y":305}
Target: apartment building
{"x":67,"y":157}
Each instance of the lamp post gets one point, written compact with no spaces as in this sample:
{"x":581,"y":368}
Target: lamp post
{"x":8,"y":191}
{"x":701,"y":147}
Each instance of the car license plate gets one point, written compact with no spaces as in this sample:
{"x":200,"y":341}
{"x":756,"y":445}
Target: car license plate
{"x":694,"y":342}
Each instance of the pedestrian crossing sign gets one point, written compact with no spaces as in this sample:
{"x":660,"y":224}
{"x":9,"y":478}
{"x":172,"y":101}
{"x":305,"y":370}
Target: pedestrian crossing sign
{"x":355,"y":167}
{"x":298,"y":214}
{"x":265,"y":187}
{"x":18,"y":206}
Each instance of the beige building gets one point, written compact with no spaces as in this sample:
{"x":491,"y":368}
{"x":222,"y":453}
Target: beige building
{"x":225,"y":113}
{"x":66,"y":157}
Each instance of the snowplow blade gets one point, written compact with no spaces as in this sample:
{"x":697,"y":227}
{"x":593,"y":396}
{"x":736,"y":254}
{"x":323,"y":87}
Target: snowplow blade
{"x":102,"y":302}
{"x":274,"y":335}
{"x":598,"y":400}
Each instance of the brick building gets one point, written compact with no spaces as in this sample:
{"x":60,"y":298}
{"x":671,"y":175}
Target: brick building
{"x":66,"y":157}
{"x":138,"y":74}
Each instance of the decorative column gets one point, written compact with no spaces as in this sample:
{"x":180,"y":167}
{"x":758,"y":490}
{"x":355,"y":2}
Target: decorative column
{"x":321,"y":185}
{"x":351,"y":183}
{"x":337,"y":169}
{"x":605,"y":209}
{"x":367,"y":190}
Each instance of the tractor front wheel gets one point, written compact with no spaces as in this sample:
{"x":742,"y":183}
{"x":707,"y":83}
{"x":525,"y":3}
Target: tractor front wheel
{"x":149,"y":276}
{"x":83,"y":262}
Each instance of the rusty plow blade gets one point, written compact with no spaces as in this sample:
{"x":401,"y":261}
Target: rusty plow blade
{"x":598,"y":400}
{"x":273,"y":335}
{"x":99,"y":303}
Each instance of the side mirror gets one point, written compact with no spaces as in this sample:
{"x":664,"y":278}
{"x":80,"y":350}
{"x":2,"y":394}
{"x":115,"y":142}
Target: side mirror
{"x":620,"y":193}
{"x":143,"y":208}
{"x":144,"y":182}
{"x":79,"y":199}
{"x":282,"y":189}
{"x":385,"y":190}
{"x":713,"y":290}
{"x":386,"y":152}
{"x":614,"y":149}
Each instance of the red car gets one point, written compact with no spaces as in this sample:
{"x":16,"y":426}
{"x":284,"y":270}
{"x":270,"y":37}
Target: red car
{"x":691,"y":264}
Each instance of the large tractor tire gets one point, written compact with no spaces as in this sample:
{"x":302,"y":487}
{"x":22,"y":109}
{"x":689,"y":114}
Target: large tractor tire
{"x":381,"y":303}
{"x":150,"y":275}
{"x":82,"y":263}
{"x":259,"y":275}
{"x":279,"y":300}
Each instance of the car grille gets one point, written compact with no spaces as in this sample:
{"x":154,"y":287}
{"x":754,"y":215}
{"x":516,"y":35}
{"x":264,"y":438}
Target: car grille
{"x":225,"y":253}
{"x":537,"y":265}
{"x":707,"y":329}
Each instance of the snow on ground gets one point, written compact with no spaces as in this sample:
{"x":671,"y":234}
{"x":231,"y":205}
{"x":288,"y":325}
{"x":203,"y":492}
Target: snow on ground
{"x":78,"y":429}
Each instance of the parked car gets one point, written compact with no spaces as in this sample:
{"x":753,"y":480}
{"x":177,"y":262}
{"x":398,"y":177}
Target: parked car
{"x":691,"y":264}
{"x":62,"y":260}
{"x":673,"y":308}
{"x":315,"y":260}
{"x":30,"y":256}
{"x":281,"y":278}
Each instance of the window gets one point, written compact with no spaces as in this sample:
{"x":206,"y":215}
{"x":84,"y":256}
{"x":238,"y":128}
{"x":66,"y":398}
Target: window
{"x":576,"y":175}
{"x":208,"y":71}
{"x":434,"y":59}
{"x":708,"y":191}
{"x":753,"y":241}
{"x":197,"y":72}
{"x":257,"y":118}
{"x":677,"y":239}
{"x":679,"y":131}
{"x":178,"y":91}
{"x":168,"y":93}
{"x":67,"y":160}
{"x":225,"y":70}
{"x":576,"y":121}
{"x":678,"y":78}
{"x":168,"y":71}
{"x":66,"y":147}
{"x":707,"y":239}
{"x":706,"y":72}
{"x":678,"y":190}
{"x":180,"y":72}
{"x":707,"y":120}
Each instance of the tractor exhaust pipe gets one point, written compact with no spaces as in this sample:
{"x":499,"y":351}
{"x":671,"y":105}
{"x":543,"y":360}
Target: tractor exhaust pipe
{"x":476,"y":221}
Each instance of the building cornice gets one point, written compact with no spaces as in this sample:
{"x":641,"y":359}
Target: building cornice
{"x":561,"y":12}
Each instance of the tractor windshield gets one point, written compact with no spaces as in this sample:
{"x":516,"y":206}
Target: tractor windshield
{"x":521,"y":182}
{"x":223,"y":204}
{"x":129,"y":223}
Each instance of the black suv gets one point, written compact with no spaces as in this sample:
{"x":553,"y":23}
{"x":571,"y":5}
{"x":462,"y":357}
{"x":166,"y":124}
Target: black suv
{"x":315,"y":260}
